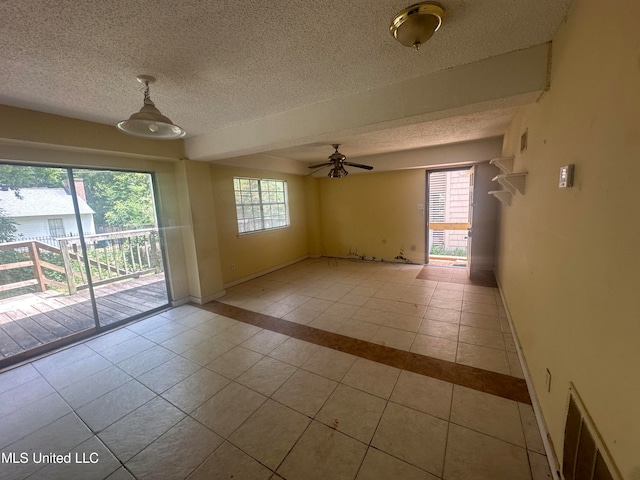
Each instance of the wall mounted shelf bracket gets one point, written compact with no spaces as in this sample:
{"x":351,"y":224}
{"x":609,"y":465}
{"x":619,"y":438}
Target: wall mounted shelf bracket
{"x":512,"y":181}
{"x":505,"y":164}
{"x":503,"y":195}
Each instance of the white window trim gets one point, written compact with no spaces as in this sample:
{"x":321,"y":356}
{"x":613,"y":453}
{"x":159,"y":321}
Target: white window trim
{"x":261,"y":204}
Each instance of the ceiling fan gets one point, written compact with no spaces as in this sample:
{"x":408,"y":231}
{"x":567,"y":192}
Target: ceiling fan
{"x":337,"y":162}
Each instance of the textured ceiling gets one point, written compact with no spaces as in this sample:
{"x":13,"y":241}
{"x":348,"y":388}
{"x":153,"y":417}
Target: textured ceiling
{"x":486,"y":124}
{"x":223,"y":63}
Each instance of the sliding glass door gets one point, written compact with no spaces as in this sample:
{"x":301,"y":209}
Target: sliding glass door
{"x":80,"y":251}
{"x":122,"y":242}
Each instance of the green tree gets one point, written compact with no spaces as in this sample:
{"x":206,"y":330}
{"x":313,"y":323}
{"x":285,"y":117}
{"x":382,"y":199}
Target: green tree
{"x":8,"y":234}
{"x":121,"y":199}
{"x":16,"y":177}
{"x":7,"y":228}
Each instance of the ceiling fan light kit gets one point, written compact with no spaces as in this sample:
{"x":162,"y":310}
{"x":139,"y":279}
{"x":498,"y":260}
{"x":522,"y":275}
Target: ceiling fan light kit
{"x":149,"y":122}
{"x":416,"y":24}
{"x":338,"y":172}
{"x":337,"y":161}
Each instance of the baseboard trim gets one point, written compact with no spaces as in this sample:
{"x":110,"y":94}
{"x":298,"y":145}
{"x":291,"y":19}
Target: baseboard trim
{"x":372,"y":259}
{"x":215,"y":296}
{"x":542,"y":426}
{"x":263,"y":272}
{"x":180,"y":301}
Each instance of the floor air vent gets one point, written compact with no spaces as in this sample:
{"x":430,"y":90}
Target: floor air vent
{"x":585,"y":456}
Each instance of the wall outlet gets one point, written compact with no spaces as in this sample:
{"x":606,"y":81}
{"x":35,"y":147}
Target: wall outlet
{"x":233,"y":266}
{"x":547,"y":380}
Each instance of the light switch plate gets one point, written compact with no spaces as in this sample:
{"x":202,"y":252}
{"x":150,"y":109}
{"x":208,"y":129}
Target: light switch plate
{"x":566,"y":176}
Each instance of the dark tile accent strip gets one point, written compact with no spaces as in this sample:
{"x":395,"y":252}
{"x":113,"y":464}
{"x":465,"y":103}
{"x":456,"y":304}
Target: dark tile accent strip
{"x":457,"y":275}
{"x":476,"y":378}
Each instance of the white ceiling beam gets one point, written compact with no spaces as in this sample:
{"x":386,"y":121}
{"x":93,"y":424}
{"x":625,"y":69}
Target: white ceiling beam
{"x":511,"y":79}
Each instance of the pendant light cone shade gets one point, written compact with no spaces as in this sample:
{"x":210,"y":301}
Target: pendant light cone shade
{"x":416,"y":24}
{"x":149,"y":122}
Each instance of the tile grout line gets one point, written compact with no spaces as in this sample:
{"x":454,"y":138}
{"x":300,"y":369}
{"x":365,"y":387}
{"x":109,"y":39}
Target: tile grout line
{"x":375,"y":430}
{"x":313,"y":418}
{"x":446,"y":441}
{"x":75,"y":413}
{"x":471,"y":377}
{"x":388,"y":400}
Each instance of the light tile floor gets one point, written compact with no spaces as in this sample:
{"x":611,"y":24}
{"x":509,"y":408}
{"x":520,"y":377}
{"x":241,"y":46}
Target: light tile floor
{"x":192,"y":394}
{"x":386,"y":304}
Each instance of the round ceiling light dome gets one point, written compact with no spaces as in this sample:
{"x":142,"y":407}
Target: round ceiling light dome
{"x":416,"y":24}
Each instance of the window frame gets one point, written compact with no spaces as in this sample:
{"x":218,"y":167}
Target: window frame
{"x":56,"y":225}
{"x":262,"y":218}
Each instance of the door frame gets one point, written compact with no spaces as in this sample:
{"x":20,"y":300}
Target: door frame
{"x":428,"y":171}
{"x":470,"y":221}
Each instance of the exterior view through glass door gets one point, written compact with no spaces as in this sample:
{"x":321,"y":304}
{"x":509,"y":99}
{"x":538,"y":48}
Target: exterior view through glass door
{"x":123,"y":249}
{"x":79,"y":251}
{"x":448,"y":217}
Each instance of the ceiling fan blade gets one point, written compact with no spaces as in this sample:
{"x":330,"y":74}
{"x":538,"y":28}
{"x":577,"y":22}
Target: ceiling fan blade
{"x":320,"y":165}
{"x":359,"y":165}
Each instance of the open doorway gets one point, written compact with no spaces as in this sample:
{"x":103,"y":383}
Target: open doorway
{"x":449,"y":216}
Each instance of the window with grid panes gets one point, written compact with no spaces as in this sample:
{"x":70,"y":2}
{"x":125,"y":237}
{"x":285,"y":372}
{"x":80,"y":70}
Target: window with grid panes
{"x":56,"y":227}
{"x":261,"y":204}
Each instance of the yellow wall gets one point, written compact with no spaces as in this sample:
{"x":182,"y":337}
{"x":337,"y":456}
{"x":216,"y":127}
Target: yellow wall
{"x":375,"y":214}
{"x":312,"y":211}
{"x":260,"y":251}
{"x":568,"y":261}
{"x":200,"y":233}
{"x":22,"y":125}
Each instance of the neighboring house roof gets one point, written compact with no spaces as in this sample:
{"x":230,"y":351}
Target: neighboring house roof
{"x":39,"y":202}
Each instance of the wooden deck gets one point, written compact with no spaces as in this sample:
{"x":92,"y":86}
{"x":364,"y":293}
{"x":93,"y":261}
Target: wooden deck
{"x":34,"y":320}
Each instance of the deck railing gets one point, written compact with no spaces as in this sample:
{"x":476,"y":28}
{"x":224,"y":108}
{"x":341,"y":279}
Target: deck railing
{"x":111,"y":257}
{"x":31,"y":250}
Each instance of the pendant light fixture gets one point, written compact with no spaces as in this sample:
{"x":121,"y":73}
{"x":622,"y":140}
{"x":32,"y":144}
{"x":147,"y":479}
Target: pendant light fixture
{"x":149,"y":122}
{"x":416,"y":24}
